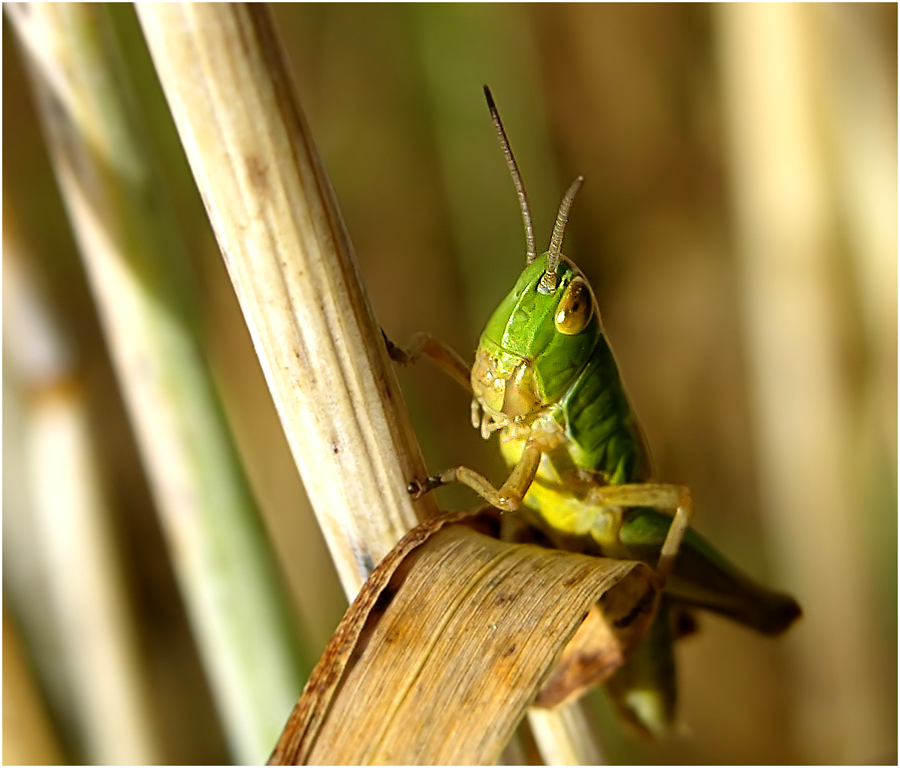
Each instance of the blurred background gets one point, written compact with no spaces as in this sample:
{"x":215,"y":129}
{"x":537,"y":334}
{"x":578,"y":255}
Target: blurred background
{"x":739,"y":226}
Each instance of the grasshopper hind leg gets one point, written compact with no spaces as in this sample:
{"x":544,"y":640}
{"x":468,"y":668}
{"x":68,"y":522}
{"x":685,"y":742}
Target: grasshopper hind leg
{"x":658,"y":496}
{"x":644,"y":689}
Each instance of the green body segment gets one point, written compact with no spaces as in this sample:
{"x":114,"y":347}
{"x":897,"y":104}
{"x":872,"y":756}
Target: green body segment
{"x":532,"y":375}
{"x":573,"y":378}
{"x":573,"y":382}
{"x":604,"y":437}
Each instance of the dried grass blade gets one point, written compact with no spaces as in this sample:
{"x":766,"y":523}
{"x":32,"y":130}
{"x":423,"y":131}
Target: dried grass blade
{"x":449,"y":643}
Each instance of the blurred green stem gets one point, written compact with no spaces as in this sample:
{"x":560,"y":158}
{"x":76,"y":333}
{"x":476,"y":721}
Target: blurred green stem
{"x":60,"y":523}
{"x":136,"y":266}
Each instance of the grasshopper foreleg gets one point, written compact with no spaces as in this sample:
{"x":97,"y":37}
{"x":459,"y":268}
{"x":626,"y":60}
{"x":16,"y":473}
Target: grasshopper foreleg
{"x":443,"y":356}
{"x":659,"y":496}
{"x":510,"y":494}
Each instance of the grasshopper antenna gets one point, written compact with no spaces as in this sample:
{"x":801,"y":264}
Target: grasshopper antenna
{"x":531,"y":253}
{"x":548,"y":279}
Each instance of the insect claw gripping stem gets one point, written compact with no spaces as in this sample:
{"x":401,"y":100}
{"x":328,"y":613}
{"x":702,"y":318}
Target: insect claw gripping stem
{"x":418,"y":488}
{"x":507,"y":498}
{"x":440,"y":354}
{"x":396,"y":354}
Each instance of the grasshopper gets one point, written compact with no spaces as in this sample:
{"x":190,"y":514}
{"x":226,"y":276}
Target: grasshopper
{"x":545,"y":379}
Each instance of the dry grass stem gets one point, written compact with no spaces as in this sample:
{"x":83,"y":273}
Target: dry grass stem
{"x":565,"y":736}
{"x":290,"y":261}
{"x":29,"y":738}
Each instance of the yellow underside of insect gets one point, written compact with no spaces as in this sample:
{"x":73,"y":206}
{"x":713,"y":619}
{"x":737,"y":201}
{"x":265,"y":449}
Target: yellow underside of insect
{"x":561,"y":510}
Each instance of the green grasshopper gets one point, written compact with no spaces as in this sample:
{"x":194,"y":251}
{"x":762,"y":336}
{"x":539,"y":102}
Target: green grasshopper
{"x":545,"y":378}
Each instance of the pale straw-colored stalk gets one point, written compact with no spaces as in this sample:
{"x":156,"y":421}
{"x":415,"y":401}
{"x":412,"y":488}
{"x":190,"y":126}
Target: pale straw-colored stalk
{"x":565,"y":735}
{"x":136,"y":267}
{"x":796,"y":319}
{"x":84,"y":595}
{"x":291,"y":264}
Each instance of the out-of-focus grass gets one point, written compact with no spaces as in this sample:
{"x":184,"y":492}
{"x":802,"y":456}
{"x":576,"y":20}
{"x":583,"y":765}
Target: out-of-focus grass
{"x":633,"y":97}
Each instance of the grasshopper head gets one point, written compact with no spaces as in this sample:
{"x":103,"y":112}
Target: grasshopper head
{"x":536,"y":342}
{"x":543,"y":333}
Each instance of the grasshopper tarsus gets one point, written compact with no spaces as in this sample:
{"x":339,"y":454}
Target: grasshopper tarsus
{"x":440,"y":354}
{"x":418,"y":488}
{"x":397,"y":354}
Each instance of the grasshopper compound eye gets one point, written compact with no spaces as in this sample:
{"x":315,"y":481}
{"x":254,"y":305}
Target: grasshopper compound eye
{"x":575,"y":308}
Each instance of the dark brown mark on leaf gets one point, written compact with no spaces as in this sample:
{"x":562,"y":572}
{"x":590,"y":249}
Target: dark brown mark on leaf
{"x":384,"y":599}
{"x":257,"y":172}
{"x":640,"y":607}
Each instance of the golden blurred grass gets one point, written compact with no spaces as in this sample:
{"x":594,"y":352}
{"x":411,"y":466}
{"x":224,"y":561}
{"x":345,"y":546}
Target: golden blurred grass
{"x":640,"y":101}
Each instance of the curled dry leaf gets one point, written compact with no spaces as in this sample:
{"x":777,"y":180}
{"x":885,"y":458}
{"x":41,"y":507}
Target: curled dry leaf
{"x":453,"y":637}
